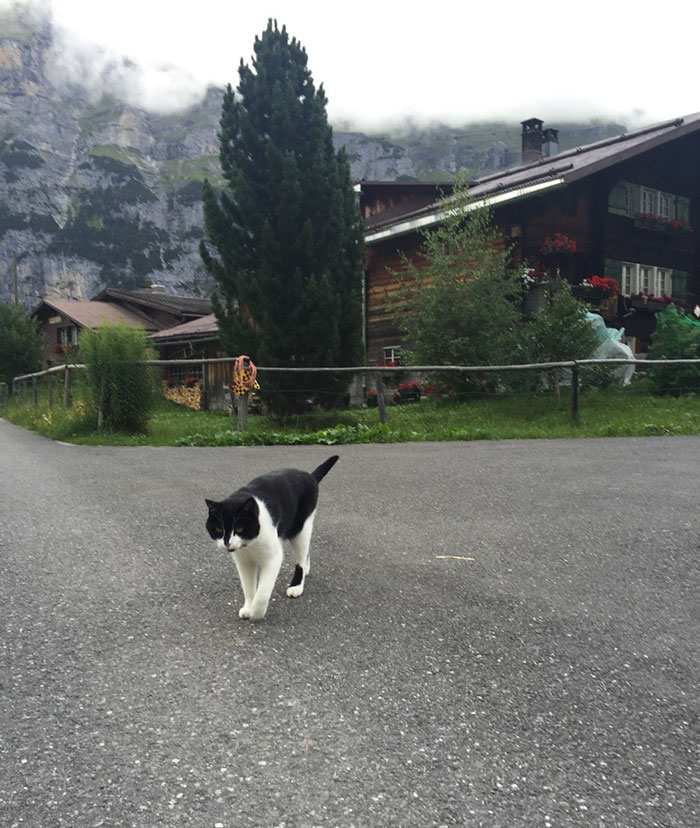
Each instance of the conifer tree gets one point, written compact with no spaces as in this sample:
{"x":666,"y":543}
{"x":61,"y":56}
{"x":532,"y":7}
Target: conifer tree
{"x":284,"y":234}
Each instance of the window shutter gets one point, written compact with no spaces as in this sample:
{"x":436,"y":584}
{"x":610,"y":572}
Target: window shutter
{"x":613,"y":269}
{"x":635,"y":196}
{"x":683,"y":208}
{"x":679,"y":277}
{"x":618,"y":199}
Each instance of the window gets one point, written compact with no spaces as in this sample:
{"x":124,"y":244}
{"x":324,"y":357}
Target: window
{"x":180,"y":374}
{"x":649,"y":202}
{"x":628,"y":199}
{"x":638,"y":278}
{"x":391,"y":353}
{"x":67,"y":335}
{"x":628,"y":279}
{"x":664,"y":279}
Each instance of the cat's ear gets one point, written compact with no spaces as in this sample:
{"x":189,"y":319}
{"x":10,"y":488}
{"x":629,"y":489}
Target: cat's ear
{"x":213,"y":507}
{"x":250,"y":505}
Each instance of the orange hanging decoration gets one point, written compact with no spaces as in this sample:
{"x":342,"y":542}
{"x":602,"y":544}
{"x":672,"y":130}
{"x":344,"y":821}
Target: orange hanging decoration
{"x":244,"y":373}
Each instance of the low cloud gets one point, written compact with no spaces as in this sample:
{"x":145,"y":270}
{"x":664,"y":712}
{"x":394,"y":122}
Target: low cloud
{"x":99,"y":71}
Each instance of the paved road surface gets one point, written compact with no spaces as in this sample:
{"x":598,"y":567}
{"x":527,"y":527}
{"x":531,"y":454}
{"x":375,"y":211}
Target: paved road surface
{"x":547,"y":676}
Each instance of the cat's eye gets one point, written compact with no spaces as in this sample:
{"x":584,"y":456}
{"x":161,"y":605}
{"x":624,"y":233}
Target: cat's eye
{"x":238,"y":530}
{"x":219,"y":531}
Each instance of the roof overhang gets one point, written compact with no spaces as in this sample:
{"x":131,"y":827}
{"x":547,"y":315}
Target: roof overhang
{"x":427,"y":220}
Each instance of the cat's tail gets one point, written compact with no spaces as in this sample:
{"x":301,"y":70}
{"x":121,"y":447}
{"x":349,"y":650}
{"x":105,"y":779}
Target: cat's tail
{"x":319,"y":473}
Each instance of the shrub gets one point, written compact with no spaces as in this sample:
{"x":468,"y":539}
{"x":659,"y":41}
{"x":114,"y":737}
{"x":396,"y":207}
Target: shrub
{"x":675,"y":337}
{"x":20,"y":343}
{"x":459,"y":306}
{"x":123,"y":391}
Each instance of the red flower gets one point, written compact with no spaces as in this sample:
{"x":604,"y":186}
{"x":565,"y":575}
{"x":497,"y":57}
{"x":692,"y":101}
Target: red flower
{"x":606,"y":284}
{"x":558,"y":243}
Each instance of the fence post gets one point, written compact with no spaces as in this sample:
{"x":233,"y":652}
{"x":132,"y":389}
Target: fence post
{"x":575,"y":383}
{"x":381,"y":405}
{"x":242,"y":412}
{"x":35,"y":390}
{"x":66,"y":388}
{"x":101,"y":406}
{"x":205,"y":388}
{"x":49,"y":382}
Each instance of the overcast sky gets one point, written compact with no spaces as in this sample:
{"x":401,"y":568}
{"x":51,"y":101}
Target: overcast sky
{"x":381,"y":62}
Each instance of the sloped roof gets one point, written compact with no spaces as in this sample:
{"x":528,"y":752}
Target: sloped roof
{"x":93,"y":314}
{"x":204,"y":326}
{"x":546,"y":174}
{"x":183,"y":305}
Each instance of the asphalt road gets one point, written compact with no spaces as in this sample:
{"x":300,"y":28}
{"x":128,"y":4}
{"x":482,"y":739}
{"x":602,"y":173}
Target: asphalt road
{"x":547,"y":675}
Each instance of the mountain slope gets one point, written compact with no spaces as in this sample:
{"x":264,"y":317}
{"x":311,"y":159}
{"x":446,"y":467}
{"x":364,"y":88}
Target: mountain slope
{"x":99,"y":193}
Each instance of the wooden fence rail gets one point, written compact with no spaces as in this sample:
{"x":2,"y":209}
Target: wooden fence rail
{"x":375,"y":370}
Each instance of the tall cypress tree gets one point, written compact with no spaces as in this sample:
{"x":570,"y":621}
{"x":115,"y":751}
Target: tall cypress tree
{"x":288,"y":258}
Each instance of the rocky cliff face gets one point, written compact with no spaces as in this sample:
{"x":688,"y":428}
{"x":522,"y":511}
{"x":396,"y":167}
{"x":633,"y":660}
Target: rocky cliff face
{"x":98,"y":193}
{"x":94,"y":194}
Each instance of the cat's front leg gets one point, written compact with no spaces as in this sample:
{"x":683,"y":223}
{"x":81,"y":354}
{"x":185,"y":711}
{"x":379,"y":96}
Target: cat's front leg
{"x":269,"y":569}
{"x":247,"y":573}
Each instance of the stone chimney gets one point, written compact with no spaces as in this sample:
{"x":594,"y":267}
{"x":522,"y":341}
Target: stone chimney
{"x":532,"y":140}
{"x":550,"y":143}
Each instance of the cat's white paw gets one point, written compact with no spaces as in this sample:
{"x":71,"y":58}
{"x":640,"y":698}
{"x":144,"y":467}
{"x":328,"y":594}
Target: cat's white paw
{"x":244,"y":612}
{"x":294,"y":591}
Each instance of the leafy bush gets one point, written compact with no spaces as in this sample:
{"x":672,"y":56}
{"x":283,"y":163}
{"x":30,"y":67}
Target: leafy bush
{"x":459,"y":306}
{"x":20,"y":343}
{"x":124,"y":392}
{"x":675,"y":337}
{"x":560,"y":331}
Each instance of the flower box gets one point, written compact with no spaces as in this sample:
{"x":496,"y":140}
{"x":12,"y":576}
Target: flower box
{"x":408,"y":392}
{"x":556,"y":244}
{"x":650,"y":303}
{"x":646,"y":221}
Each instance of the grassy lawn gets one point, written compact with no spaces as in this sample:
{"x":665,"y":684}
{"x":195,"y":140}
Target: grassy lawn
{"x":611,"y":413}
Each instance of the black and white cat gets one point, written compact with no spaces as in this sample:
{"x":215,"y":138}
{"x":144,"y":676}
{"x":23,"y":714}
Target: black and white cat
{"x":254,"y":522}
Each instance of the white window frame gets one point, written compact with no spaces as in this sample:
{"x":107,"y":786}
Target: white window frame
{"x":660,"y":279}
{"x":391,"y":354}
{"x":643,"y":200}
{"x":664,"y":281}
{"x":628,"y":280}
{"x":649,"y":203}
{"x":68,"y":335}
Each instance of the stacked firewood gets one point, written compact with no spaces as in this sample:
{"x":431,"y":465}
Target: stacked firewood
{"x":189,"y":395}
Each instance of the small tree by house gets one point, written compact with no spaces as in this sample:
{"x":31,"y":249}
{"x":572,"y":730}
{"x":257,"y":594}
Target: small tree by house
{"x":559,"y":332}
{"x":460,"y":306}
{"x":20,"y":343}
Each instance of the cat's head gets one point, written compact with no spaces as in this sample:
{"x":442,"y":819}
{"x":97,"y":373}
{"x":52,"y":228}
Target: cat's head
{"x":233,"y":523}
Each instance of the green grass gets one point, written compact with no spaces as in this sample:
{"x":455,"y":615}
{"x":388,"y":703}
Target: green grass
{"x":612,"y":413}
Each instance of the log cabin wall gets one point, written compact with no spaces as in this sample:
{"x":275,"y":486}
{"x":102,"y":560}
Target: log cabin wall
{"x":584,"y":210}
{"x":382,"y":318}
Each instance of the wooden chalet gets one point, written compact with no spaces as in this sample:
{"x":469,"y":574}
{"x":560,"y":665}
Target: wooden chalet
{"x":61,"y":320}
{"x":630,"y":203}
